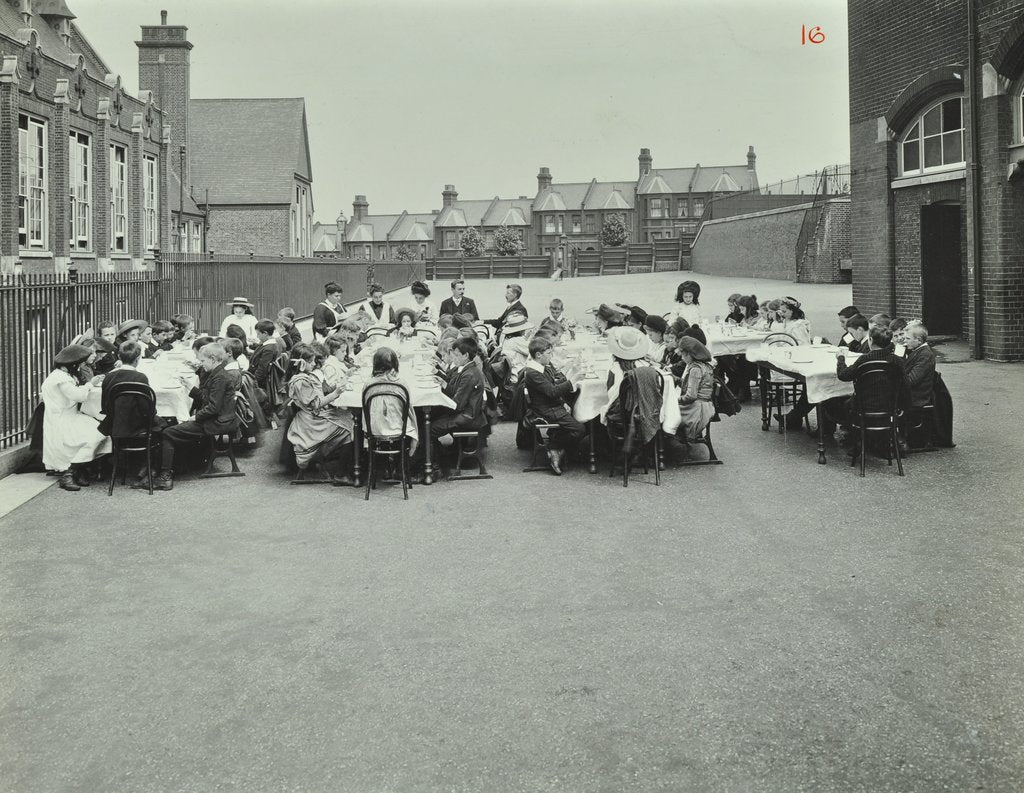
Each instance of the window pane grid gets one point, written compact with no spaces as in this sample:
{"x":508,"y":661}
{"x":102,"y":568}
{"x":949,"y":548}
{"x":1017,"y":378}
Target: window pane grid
{"x":936,"y":139}
{"x":118,"y":199}
{"x":32,"y":203}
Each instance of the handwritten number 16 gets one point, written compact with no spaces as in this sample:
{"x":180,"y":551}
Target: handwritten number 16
{"x":814,"y":35}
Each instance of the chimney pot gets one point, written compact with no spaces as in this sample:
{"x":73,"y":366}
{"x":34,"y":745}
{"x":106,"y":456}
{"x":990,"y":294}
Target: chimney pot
{"x":543,"y":178}
{"x":645,"y":161}
{"x":163,"y":17}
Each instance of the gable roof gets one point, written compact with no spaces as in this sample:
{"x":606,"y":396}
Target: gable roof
{"x":371,"y":228}
{"x":700,"y":179}
{"x":248,"y":151}
{"x":174,"y":191}
{"x":325,"y":237}
{"x":413,"y":228}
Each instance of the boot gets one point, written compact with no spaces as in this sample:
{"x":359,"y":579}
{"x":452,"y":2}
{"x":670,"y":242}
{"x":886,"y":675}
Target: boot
{"x":553,"y":457}
{"x":162,"y":481}
{"x":67,"y":482}
{"x":81,"y":475}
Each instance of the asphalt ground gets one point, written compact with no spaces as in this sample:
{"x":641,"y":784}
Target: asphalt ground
{"x":765,"y":625}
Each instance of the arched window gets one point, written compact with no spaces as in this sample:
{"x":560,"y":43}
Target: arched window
{"x":935,"y":140}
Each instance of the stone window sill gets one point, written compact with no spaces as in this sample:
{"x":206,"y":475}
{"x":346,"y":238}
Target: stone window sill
{"x":929,"y":178}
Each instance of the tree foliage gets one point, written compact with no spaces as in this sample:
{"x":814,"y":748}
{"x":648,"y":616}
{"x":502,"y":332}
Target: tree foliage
{"x":405,"y":254}
{"x":471,"y":242}
{"x":613,"y":231}
{"x":508,"y":242}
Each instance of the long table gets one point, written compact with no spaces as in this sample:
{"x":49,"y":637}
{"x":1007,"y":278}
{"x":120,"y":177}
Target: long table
{"x":732,"y":339}
{"x":172,"y":399}
{"x":815,"y":367}
{"x":416,"y":368}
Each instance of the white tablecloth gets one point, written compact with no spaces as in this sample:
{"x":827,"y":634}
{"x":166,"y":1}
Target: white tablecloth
{"x":815,"y":365}
{"x":737,"y":343}
{"x":172,"y":400}
{"x":594,"y":396}
{"x":415,"y":367}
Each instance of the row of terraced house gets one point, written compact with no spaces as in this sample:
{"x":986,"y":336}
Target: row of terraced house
{"x":658,"y":204}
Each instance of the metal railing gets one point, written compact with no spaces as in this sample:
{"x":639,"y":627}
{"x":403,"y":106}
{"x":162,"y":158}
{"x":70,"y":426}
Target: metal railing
{"x":831,"y":181}
{"x":40,"y":314}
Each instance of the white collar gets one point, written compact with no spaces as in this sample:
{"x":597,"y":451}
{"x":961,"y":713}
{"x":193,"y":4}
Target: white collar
{"x":128,"y":366}
{"x":533,"y":364}
{"x":269,"y":341}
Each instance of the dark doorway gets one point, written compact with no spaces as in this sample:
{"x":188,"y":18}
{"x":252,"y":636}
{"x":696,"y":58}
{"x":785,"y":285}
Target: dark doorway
{"x":941,"y":270}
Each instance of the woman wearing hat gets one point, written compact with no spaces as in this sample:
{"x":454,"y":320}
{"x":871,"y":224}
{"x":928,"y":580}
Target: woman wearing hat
{"x":71,"y":439}
{"x":697,"y":387}
{"x":607,"y":317}
{"x":792,"y":321}
{"x":515,"y":345}
{"x":241,"y":315}
{"x":655,"y":328}
{"x":130,"y":330}
{"x":424,"y":308}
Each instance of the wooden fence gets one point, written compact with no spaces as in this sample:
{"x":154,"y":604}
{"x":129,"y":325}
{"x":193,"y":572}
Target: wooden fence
{"x":642,"y":257}
{"x":446,"y":269}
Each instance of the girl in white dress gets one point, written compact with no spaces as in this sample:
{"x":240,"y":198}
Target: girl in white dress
{"x":70,"y":439}
{"x":792,"y":321}
{"x":688,"y":298}
{"x":241,"y":315}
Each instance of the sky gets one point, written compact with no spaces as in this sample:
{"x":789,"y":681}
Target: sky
{"x":403,"y":96}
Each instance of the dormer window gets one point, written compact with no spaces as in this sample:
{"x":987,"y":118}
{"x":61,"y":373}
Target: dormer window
{"x":935,"y":141}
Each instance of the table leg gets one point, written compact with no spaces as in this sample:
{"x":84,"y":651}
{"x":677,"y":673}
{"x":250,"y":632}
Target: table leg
{"x":428,"y":469}
{"x":593,"y":456}
{"x":819,"y":415}
{"x":763,"y":377}
{"x":357,"y":449}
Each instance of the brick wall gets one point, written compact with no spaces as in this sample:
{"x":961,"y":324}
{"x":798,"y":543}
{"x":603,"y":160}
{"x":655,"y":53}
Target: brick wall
{"x":755,"y":246}
{"x":264,"y":230}
{"x":829,"y":245}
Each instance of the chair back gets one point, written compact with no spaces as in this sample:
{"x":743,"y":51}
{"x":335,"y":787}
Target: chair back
{"x":428,"y":333}
{"x":629,"y":391}
{"x":138,"y":397}
{"x":780,"y":339}
{"x":382,"y":390}
{"x":376,"y":331}
{"x":876,"y":391}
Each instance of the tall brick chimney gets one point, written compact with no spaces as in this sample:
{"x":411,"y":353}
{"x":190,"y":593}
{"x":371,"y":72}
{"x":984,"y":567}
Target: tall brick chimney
{"x":340,"y":223}
{"x":164,"y":70}
{"x":751,"y":158}
{"x":448,"y":195}
{"x":646,"y":161}
{"x":360,"y":208}
{"x":543,"y":178}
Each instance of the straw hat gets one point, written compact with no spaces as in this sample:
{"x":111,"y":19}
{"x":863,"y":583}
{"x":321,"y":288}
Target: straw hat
{"x":73,"y":353}
{"x":131,"y":324}
{"x":239,"y":301}
{"x":516,"y":323}
{"x":629,"y":344}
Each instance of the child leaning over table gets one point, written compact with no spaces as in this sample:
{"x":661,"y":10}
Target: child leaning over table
{"x":697,"y":388}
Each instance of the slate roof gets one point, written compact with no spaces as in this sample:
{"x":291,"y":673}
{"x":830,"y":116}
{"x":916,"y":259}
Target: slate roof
{"x":703,"y":178}
{"x":325,"y":237}
{"x":372,"y":228}
{"x":413,"y":228}
{"x":592,"y":196}
{"x":248,"y":151}
{"x":173,"y":191}
{"x":51,"y":42}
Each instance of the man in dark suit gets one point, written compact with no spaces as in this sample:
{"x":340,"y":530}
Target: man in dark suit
{"x":216,"y":414}
{"x":549,"y":392}
{"x":512,"y":294}
{"x":128,"y":415}
{"x":458,"y":303}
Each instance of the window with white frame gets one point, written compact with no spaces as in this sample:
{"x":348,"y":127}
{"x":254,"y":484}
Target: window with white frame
{"x":935,"y":140}
{"x":451,"y":239}
{"x":591,"y":224}
{"x":654,"y":207}
{"x":549,"y":224}
{"x":150,"y":199}
{"x":197,"y":237}
{"x":681,"y":208}
{"x":576,"y":225}
{"x":118,"y":198}
{"x":698,"y":207}
{"x":561,"y":223}
{"x":32,"y":181}
{"x":79,"y":191}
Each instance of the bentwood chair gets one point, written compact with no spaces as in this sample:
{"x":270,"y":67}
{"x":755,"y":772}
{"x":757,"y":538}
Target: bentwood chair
{"x":140,"y":397}
{"x":705,"y":439}
{"x":876,"y":392}
{"x":781,"y":390}
{"x":387,"y":446}
{"x":621,"y":440}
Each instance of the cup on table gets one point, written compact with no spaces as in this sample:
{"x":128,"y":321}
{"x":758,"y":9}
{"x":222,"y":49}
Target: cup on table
{"x":816,"y":340}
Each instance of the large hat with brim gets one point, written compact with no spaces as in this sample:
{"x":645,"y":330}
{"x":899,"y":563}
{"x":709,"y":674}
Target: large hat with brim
{"x":694,"y":349}
{"x":131,"y":324}
{"x":239,"y":301}
{"x":629,"y":344}
{"x":656,"y":323}
{"x":610,"y":313}
{"x":516,"y":323}
{"x":405,"y":312}
{"x":73,"y":353}
{"x":94,"y":342}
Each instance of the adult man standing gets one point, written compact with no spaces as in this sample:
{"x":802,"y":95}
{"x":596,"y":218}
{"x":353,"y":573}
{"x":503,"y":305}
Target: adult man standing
{"x":382,"y":314}
{"x":330,"y":312}
{"x":458,"y":303}
{"x":512,"y":294}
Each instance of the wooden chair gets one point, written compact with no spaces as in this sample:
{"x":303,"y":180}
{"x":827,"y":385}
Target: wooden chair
{"x":539,"y":430}
{"x":705,"y":439}
{"x":878,"y":378}
{"x":143,"y":396}
{"x":222,"y":445}
{"x":469,"y":446}
{"x":388,"y":446}
{"x":618,"y":440}
{"x":782,"y":390}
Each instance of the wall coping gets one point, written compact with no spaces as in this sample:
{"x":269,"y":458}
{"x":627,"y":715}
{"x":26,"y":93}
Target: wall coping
{"x":761,"y":214}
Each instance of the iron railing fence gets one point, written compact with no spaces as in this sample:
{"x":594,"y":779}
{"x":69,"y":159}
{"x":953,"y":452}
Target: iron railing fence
{"x":831,"y":181}
{"x":41,"y":313}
